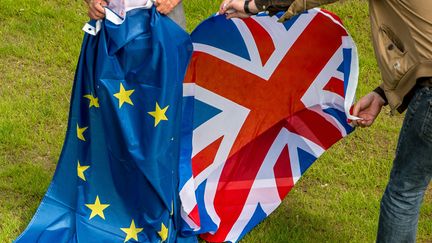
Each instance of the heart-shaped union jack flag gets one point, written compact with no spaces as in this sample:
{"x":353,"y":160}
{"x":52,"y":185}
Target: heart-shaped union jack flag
{"x":267,"y":99}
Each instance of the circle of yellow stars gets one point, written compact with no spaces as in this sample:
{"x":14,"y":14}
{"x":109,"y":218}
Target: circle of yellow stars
{"x":97,"y":208}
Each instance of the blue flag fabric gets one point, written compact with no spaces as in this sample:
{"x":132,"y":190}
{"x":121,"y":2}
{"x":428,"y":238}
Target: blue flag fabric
{"x":117,"y":177}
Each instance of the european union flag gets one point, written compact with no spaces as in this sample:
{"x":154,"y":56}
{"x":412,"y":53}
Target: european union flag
{"x":117,"y":177}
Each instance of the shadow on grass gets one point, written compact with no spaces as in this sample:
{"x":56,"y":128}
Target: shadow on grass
{"x":296,"y":225}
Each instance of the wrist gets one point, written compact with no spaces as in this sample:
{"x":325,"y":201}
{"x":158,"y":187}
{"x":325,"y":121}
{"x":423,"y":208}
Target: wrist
{"x":379,"y":92}
{"x":246,"y":7}
{"x":253,"y":7}
{"x":250,"y":7}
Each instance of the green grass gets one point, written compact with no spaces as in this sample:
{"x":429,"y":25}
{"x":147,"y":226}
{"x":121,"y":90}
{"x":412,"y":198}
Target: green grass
{"x":336,"y":201}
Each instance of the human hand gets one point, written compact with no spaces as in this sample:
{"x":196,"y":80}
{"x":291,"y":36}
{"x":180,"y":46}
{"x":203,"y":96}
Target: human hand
{"x":368,"y":108}
{"x":96,"y":9}
{"x":235,"y":8}
{"x":165,"y":6}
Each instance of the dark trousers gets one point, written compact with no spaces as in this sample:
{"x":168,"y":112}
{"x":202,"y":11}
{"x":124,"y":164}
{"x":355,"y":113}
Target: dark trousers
{"x":411,"y":173}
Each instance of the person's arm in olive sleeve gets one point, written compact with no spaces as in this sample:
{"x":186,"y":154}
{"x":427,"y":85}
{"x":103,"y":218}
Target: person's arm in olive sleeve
{"x":291,"y":7}
{"x":273,"y":6}
{"x":299,"y":6}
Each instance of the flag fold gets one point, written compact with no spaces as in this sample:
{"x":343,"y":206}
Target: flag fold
{"x":116,"y":180}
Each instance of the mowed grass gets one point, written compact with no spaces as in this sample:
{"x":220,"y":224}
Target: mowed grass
{"x":336,"y":201}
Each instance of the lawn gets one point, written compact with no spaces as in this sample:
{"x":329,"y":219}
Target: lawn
{"x":336,"y":201}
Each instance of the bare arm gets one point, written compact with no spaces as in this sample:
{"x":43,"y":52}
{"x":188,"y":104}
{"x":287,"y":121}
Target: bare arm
{"x":96,"y":8}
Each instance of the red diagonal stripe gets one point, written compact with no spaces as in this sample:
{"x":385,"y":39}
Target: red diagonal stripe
{"x":205,"y":157}
{"x":283,"y":174}
{"x":335,"y":85}
{"x":262,"y":39}
{"x":194,"y":215}
{"x":314,"y":127}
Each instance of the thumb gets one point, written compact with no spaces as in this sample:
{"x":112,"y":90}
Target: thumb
{"x":356,"y":109}
{"x":224,"y":7}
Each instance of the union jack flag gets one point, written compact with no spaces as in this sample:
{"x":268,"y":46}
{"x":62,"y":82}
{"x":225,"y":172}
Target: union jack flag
{"x":268,"y":99}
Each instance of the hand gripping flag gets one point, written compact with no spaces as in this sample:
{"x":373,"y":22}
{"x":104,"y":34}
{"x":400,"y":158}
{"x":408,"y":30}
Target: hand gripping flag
{"x":268,"y":99}
{"x":116,"y":180}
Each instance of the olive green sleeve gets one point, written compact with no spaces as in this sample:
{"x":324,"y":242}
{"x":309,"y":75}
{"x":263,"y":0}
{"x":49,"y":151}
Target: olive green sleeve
{"x":262,"y":4}
{"x":273,"y":5}
{"x":299,"y":6}
{"x":292,"y":7}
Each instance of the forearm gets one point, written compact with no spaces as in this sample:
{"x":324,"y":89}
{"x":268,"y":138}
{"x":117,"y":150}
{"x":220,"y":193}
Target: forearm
{"x":270,"y":5}
{"x":292,"y":7}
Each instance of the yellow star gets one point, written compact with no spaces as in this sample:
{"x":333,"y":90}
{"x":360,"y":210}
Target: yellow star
{"x":97,"y":208}
{"x":81,"y":169}
{"x":94,"y":101}
{"x":124,"y":95}
{"x":163,"y":233}
{"x":159,"y":114}
{"x":80,"y":131}
{"x":131,"y":232}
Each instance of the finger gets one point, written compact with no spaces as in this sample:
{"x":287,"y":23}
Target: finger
{"x":354,"y":123}
{"x":161,"y":9}
{"x":237,"y":14}
{"x":100,"y":16}
{"x":244,"y":15}
{"x":230,"y":11}
{"x":224,"y":7}
{"x":98,"y":7}
{"x":95,"y":11}
{"x":97,"y":14}
{"x":361,"y":124}
{"x":357,"y":108}
{"x":163,"y":12}
{"x":93,"y":16}
{"x":166,"y":8}
{"x":232,"y":15}
{"x":368,"y":123}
